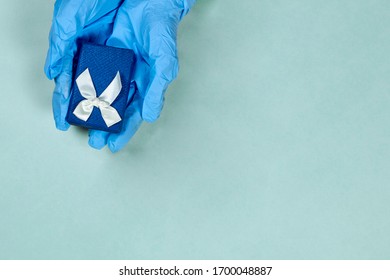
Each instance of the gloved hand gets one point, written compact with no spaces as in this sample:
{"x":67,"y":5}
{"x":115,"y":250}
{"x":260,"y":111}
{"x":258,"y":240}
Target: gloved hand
{"x":149,"y":27}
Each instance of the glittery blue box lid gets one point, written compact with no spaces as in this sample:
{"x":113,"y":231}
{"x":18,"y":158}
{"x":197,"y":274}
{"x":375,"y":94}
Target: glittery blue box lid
{"x":103,"y":63}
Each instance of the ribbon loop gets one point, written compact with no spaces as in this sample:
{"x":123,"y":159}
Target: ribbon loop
{"x":87,"y":89}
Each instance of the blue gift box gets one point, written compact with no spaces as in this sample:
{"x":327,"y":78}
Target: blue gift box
{"x":101,"y":87}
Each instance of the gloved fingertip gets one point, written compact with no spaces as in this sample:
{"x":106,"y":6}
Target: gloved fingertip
{"x":117,"y":142}
{"x":98,"y":145}
{"x":62,"y":125}
{"x":151,"y":111}
{"x":97,"y":139}
{"x":113,"y":147}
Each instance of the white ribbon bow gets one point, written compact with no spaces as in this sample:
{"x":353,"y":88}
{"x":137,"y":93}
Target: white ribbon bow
{"x":87,"y":89}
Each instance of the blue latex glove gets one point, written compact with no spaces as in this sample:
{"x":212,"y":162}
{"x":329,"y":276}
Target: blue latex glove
{"x":149,"y":27}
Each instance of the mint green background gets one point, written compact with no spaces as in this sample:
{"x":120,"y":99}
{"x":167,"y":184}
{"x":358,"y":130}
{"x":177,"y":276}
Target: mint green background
{"x":274,"y":142}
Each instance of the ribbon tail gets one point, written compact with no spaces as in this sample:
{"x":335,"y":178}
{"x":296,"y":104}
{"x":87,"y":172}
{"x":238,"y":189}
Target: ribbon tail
{"x":85,"y":84}
{"x":83,"y":110}
{"x":113,"y":90}
{"x":110,"y":115}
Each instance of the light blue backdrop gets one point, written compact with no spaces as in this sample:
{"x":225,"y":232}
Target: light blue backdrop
{"x":274,"y":142}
